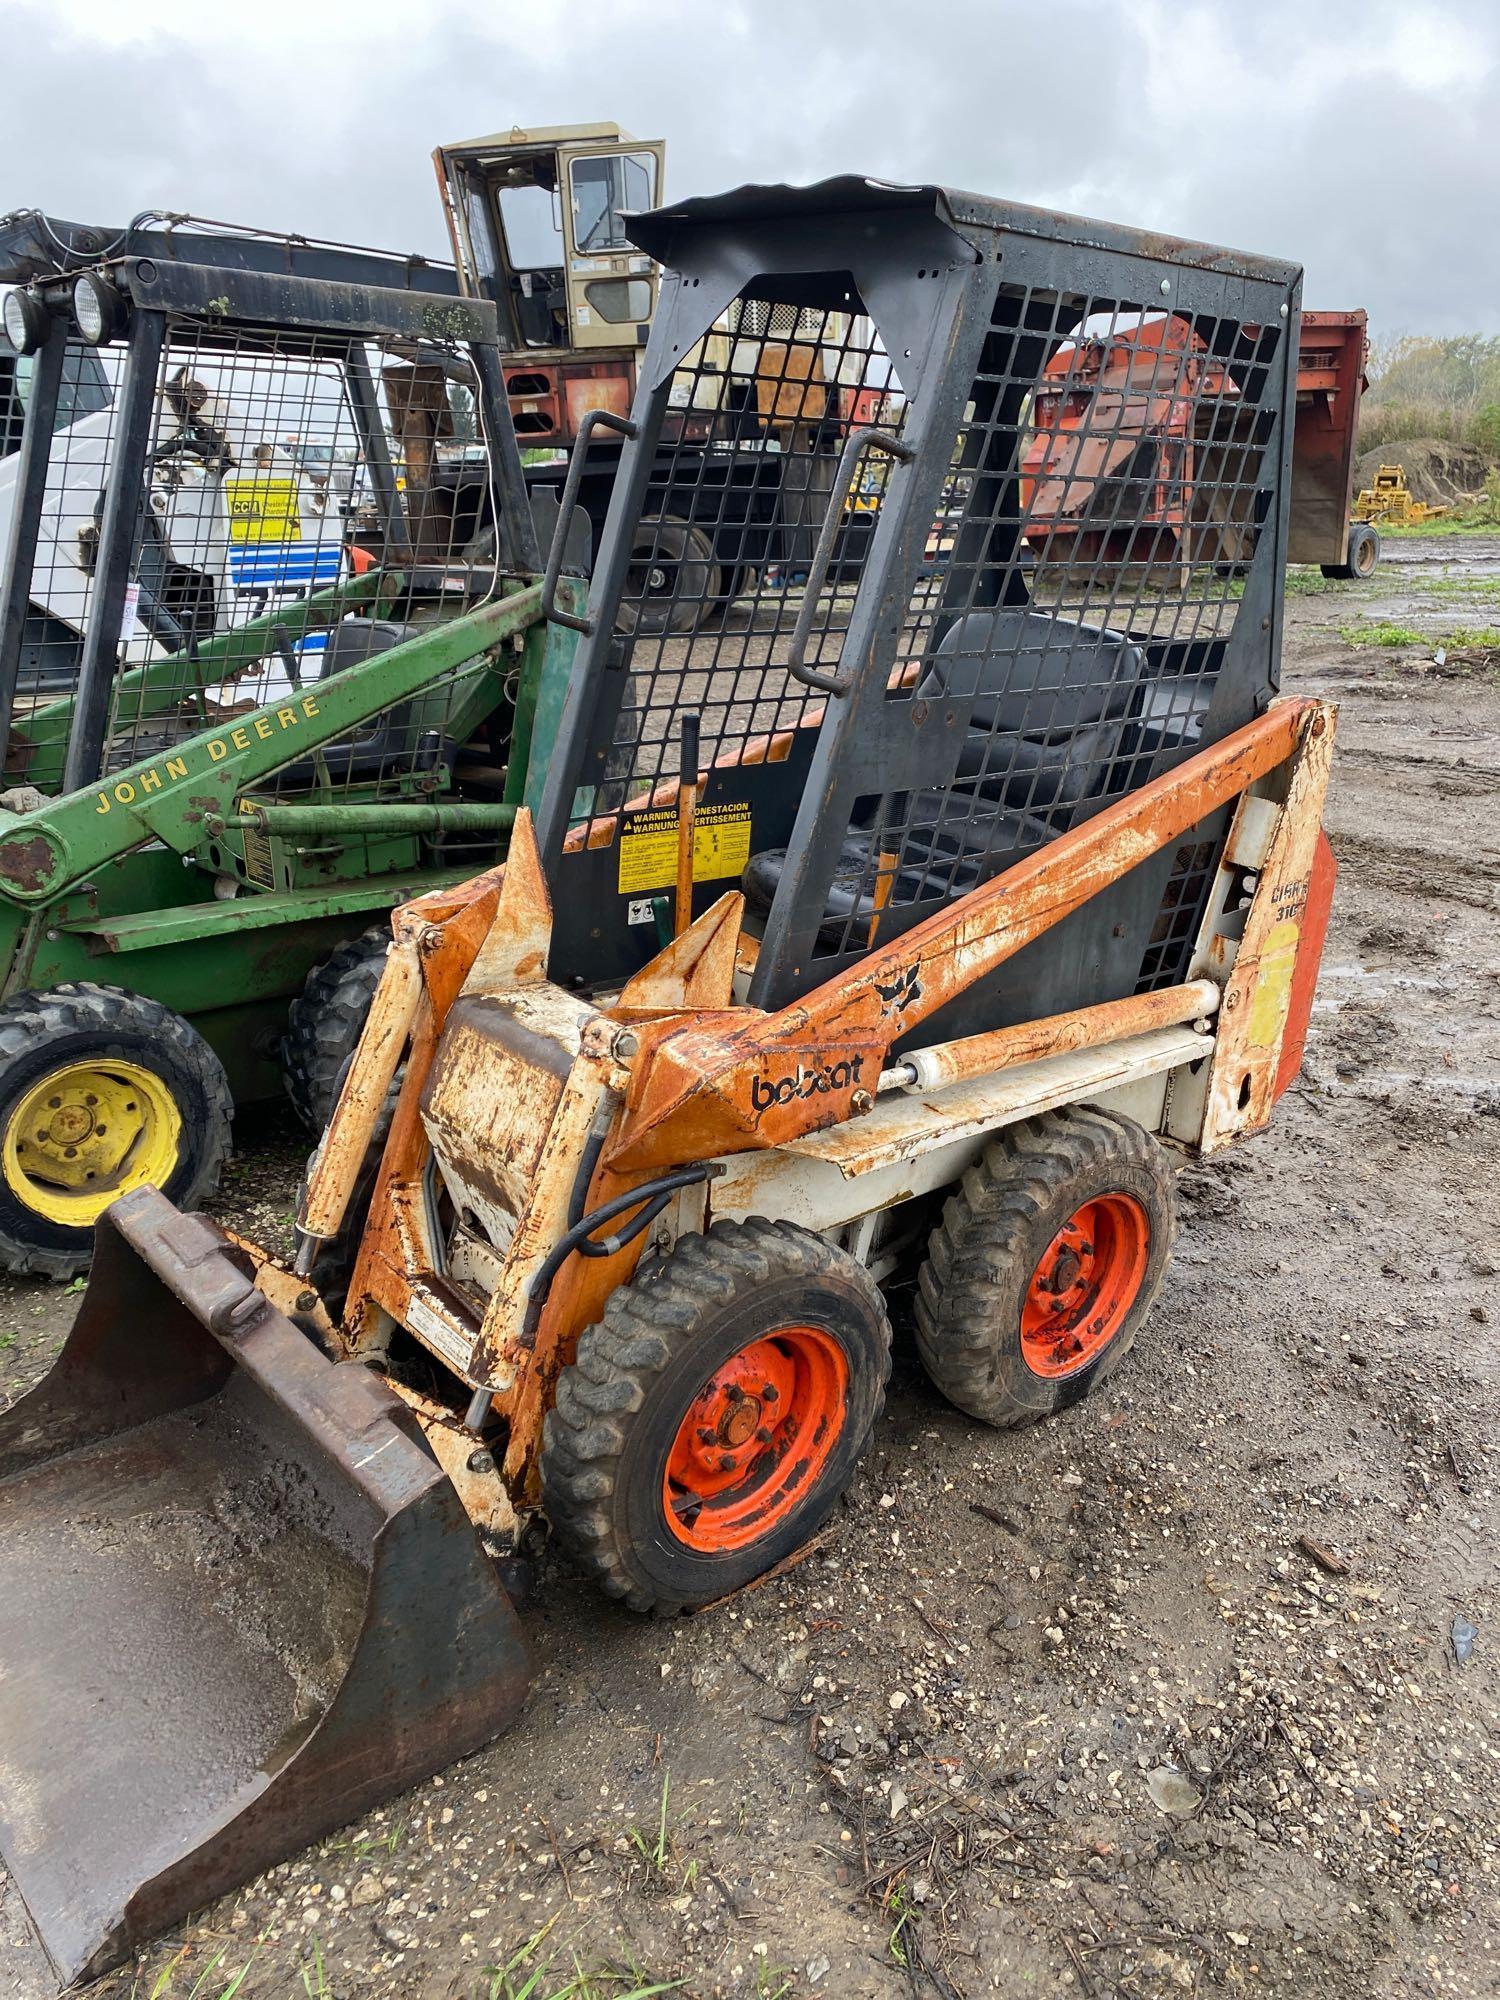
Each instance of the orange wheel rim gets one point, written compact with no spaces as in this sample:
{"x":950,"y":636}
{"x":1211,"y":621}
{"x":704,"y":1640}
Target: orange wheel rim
{"x":1084,"y":1284}
{"x":755,"y":1438}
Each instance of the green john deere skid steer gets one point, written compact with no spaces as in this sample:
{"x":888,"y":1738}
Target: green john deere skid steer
{"x":271,"y":662}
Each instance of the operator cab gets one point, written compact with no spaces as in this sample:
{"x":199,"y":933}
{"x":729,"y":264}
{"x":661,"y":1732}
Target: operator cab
{"x":537,"y":220}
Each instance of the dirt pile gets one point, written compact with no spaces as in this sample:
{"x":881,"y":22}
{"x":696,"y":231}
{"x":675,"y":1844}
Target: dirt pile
{"x":1438,"y":472}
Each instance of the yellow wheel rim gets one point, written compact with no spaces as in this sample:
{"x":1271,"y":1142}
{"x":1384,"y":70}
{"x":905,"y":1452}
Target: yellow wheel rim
{"x":88,"y":1133}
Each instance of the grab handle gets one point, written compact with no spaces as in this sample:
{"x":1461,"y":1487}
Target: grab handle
{"x":857,"y":444}
{"x":566,"y":510}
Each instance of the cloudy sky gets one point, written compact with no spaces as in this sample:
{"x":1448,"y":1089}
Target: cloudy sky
{"x":1247,"y":124}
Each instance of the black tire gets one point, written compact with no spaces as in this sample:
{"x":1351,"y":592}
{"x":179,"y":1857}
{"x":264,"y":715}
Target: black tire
{"x":661,"y":1344}
{"x":1362,"y":555}
{"x":325,"y":1021}
{"x":672,"y":580}
{"x":1005,"y":1216}
{"x":77,"y":1027}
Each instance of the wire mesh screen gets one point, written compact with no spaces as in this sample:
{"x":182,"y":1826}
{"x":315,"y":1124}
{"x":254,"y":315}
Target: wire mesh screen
{"x":308,"y":500}
{"x":757,"y":417}
{"x":81,"y":447}
{"x":1107,"y":490}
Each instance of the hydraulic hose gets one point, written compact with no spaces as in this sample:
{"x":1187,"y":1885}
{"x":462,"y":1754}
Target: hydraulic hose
{"x":651,"y":1197}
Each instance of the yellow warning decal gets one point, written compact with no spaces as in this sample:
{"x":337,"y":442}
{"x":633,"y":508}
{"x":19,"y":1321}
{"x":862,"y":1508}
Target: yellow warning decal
{"x":1273,"y":985}
{"x":648,"y":852}
{"x":262,"y":509}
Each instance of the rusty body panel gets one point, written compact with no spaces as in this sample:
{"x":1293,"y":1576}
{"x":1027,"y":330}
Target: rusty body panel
{"x":903,"y":1127}
{"x":1330,"y":381}
{"x":1257,"y":995}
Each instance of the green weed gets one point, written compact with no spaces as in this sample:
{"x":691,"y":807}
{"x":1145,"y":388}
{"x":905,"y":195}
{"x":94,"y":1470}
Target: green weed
{"x":1466,"y":523}
{"x":525,"y":1976}
{"x":1466,"y":589}
{"x":1369,"y":633}
{"x":1302,"y":580}
{"x":658,"y":1853}
{"x":772,"y":1982}
{"x":200,"y":1989}
{"x":369,"y":1844}
{"x":314,"y":1979}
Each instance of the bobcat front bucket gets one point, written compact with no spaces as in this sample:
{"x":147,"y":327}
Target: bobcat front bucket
{"x":239,"y":1602}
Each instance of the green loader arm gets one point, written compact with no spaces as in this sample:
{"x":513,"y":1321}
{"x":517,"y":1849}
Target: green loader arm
{"x":169,"y":798}
{"x":157,"y":687}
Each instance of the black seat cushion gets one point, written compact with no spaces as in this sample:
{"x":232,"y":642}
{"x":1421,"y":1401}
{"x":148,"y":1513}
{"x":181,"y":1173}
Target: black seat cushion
{"x":941,"y":857}
{"x":1049,"y":702}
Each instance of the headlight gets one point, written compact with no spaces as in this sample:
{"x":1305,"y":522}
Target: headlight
{"x":98,"y":308}
{"x":25,"y":321}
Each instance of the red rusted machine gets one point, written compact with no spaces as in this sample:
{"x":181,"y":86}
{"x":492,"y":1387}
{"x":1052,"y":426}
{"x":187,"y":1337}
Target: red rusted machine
{"x":1330,"y":381}
{"x":1127,"y":456}
{"x":1120,"y":422}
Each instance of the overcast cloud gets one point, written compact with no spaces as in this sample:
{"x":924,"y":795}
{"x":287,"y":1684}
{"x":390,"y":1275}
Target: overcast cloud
{"x":1363,"y":141}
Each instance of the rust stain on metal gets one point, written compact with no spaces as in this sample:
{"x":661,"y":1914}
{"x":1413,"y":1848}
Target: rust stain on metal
{"x":1059,"y":1034}
{"x":514,"y":952}
{"x":28,"y":864}
{"x":351,"y":1130}
{"x":692,"y":972}
{"x":1257,"y":998}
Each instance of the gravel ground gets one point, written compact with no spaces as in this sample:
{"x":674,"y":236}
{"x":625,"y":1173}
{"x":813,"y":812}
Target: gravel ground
{"x":1192,"y":1691}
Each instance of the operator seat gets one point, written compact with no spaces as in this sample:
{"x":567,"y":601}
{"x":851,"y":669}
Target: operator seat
{"x":1050,"y":705}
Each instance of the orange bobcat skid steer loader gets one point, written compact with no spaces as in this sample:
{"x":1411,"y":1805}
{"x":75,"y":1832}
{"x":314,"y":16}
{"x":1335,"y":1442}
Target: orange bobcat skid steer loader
{"x":922,"y":921}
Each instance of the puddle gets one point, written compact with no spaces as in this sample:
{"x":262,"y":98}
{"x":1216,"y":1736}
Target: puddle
{"x":1476,"y":1090}
{"x":1377,"y":984}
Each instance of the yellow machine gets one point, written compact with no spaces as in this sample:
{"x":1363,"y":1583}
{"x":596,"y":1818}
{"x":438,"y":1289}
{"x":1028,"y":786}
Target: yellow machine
{"x":1390,"y":500}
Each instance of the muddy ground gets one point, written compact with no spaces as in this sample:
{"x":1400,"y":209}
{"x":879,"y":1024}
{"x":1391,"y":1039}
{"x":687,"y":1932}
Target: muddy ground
{"x":1193,"y":1691}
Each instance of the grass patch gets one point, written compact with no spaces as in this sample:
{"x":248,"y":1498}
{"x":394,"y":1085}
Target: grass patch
{"x":1446,"y":524}
{"x":205,"y":1987}
{"x":899,"y":1906}
{"x":656,"y":1850}
{"x":1466,"y":589}
{"x":772,"y":1982}
{"x":526,"y":1976}
{"x":369,"y":1844}
{"x":1302,"y":580}
{"x":1370,"y":632}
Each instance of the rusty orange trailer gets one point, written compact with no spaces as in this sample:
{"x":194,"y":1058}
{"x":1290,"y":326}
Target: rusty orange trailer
{"x":1332,"y":349}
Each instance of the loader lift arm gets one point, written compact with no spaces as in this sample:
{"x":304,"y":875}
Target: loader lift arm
{"x":176,"y":797}
{"x":697,"y":1090}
